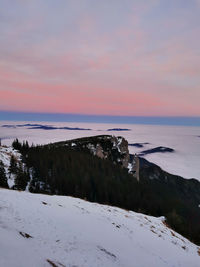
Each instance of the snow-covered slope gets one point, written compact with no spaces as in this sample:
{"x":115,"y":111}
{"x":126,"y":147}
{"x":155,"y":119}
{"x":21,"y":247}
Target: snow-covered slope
{"x":39,"y":230}
{"x":5,"y":154}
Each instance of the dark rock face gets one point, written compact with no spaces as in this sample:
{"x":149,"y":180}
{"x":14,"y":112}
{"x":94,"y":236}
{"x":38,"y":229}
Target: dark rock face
{"x":122,"y":146}
{"x":103,"y":146}
{"x":136,"y":167}
{"x":107,"y":147}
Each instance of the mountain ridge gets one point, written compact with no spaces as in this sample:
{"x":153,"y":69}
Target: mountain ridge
{"x":95,"y":168}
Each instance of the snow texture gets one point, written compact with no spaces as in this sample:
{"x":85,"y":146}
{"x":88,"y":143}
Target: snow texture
{"x":40,"y":230}
{"x":5,"y":155}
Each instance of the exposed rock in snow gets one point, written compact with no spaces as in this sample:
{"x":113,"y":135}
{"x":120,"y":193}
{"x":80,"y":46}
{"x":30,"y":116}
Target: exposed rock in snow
{"x":130,"y":167}
{"x":73,"y":144}
{"x":40,"y":230}
{"x":5,"y":155}
{"x":103,"y":146}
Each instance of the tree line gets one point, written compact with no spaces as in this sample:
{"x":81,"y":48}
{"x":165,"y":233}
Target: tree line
{"x":65,"y":170}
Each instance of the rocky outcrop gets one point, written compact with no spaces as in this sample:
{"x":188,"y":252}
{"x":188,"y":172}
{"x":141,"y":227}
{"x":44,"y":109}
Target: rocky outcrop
{"x":99,"y":152}
{"x":136,"y":167}
{"x":122,"y":145}
{"x":113,"y":148}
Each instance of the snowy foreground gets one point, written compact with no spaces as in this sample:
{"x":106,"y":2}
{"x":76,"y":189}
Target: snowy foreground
{"x":39,"y":230}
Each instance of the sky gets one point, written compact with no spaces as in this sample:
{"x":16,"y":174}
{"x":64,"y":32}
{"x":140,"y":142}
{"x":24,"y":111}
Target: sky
{"x":108,"y":57}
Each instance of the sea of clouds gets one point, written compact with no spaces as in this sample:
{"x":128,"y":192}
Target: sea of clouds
{"x":185,"y":141}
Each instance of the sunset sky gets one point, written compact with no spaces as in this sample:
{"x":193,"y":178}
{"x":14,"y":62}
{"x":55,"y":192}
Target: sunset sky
{"x":115,"y":57}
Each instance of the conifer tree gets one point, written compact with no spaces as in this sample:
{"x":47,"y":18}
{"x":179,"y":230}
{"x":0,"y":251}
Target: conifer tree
{"x":16,"y":144}
{"x":21,"y":179}
{"x":13,"y":165}
{"x":3,"y":178}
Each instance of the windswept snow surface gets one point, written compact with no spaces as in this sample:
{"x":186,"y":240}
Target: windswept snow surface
{"x":39,"y":230}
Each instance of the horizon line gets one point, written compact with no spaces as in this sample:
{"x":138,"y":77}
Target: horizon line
{"x":97,"y":118}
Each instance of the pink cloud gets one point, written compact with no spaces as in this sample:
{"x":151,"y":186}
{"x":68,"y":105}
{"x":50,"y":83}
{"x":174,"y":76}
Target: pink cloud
{"x":88,"y":69}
